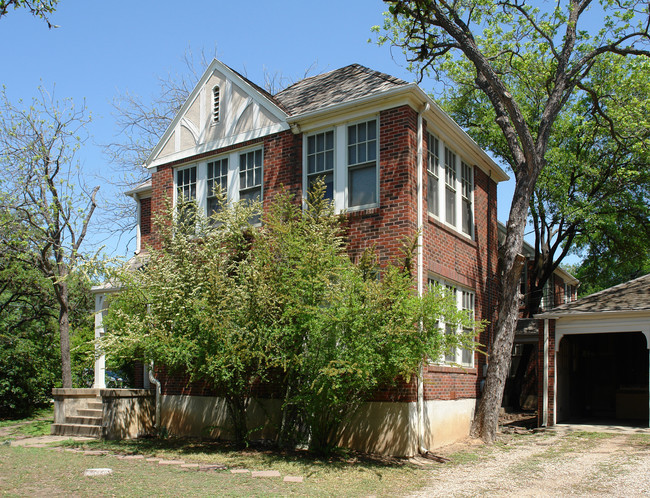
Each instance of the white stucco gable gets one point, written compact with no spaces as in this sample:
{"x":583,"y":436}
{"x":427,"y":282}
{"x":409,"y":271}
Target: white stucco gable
{"x":245,"y":113}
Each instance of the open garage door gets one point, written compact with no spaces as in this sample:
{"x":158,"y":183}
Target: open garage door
{"x":603,"y":378}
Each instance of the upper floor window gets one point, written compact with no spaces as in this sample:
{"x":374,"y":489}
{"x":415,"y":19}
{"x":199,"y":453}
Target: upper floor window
{"x":320,"y":161}
{"x":433,"y":164}
{"x":446,"y":200}
{"x":217,"y":179}
{"x":467,"y":187}
{"x":186,"y":184}
{"x":238,"y":175}
{"x":362,"y":164}
{"x":215,"y":105}
{"x":450,"y":187}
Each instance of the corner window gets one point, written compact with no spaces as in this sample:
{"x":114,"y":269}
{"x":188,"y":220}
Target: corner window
{"x":215,"y":105}
{"x":433,"y":164}
{"x":320,"y":161}
{"x":362,"y":164}
{"x":186,"y":201}
{"x":217,"y":179}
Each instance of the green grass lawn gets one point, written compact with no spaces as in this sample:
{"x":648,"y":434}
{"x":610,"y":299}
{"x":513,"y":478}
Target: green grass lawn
{"x":38,"y":424}
{"x":39,"y":471}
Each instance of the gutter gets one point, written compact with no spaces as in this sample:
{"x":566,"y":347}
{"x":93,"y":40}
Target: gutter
{"x":420,"y":275}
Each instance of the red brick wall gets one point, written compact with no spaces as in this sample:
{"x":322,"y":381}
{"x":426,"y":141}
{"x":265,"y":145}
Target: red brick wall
{"x":145,"y":217}
{"x":469,"y":263}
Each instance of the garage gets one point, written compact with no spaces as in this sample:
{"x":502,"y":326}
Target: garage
{"x":594,"y":358}
{"x":603,"y":378}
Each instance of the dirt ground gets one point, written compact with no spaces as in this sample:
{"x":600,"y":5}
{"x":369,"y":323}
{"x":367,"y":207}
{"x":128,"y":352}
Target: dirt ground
{"x":545,"y":464}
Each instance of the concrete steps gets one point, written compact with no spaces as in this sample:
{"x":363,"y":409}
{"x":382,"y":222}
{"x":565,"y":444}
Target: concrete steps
{"x":85,"y":421}
{"x":76,"y":430}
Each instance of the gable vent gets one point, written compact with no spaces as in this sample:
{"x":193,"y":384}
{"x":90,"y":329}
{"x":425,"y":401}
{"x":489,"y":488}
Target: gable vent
{"x":215,"y":104}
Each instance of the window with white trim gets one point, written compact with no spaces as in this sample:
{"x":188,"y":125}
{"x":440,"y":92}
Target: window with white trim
{"x":451,"y":200}
{"x":239,"y":175}
{"x":217,"y":179}
{"x":216,"y":111}
{"x":362,"y":164}
{"x":320,"y":161}
{"x":467,"y":187}
{"x":433,"y":165}
{"x":465,"y":300}
{"x":250,"y":178}
{"x":186,"y":184}
{"x":450,"y":187}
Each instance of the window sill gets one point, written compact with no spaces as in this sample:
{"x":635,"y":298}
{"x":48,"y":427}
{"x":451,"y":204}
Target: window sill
{"x":452,"y":231}
{"x":362,"y":211}
{"x":464,"y":370}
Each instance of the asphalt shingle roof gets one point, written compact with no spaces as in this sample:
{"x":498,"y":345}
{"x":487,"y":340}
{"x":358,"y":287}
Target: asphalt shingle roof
{"x":629,"y":296}
{"x":342,"y":85}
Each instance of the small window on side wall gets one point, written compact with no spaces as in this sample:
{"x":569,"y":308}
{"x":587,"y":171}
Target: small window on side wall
{"x":215,"y":105}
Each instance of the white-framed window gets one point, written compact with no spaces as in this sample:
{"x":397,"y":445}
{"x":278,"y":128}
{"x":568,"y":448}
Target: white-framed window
{"x":433,"y":165}
{"x":346,"y":157}
{"x":467,"y":188}
{"x":186,"y":180}
{"x":320,"y":161}
{"x":450,"y":186}
{"x":216,"y":105}
{"x":363,"y":177}
{"x":465,"y":300}
{"x":451,"y":201}
{"x":217,"y":178}
{"x":239,"y":174}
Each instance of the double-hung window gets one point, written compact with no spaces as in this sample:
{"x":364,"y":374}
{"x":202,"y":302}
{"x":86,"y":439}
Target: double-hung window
{"x":186,"y":201}
{"x":467,"y":186}
{"x":451,"y":200}
{"x":465,"y":300}
{"x":217,"y":181}
{"x":362,"y":164}
{"x":450,"y":187}
{"x":250,"y":178}
{"x":320,"y":161}
{"x":433,"y":164}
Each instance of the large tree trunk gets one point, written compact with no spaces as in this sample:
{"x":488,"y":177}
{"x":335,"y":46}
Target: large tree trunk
{"x":64,"y":333}
{"x":486,"y":419}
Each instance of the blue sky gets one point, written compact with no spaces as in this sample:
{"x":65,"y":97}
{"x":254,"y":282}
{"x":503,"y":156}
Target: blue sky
{"x":102,"y":49}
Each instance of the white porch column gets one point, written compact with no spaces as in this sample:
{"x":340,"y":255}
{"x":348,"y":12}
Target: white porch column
{"x":100,"y":361}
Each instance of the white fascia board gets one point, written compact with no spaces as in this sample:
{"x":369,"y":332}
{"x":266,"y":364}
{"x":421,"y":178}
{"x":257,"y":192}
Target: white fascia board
{"x":414,"y":96}
{"x":215,"y":65}
{"x":566,"y":276}
{"x":220,"y":144}
{"x":141,"y":191}
{"x":457,"y":136}
{"x":556,"y":315}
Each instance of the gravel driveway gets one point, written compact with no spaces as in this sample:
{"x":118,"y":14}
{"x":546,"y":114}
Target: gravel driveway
{"x":546,"y":464}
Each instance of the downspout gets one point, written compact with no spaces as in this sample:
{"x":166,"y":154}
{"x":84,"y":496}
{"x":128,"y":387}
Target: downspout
{"x":545,"y":383}
{"x":489,"y":280}
{"x":420,"y":275}
{"x":155,"y":381}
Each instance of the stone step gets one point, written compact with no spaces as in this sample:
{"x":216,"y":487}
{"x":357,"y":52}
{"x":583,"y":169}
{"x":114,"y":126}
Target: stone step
{"x":76,"y":430}
{"x":80,"y":420}
{"x":94,"y":405}
{"x":87,"y":412}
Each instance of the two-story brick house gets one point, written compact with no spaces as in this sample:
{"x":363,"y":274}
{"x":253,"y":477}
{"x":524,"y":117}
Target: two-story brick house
{"x":396,"y":164}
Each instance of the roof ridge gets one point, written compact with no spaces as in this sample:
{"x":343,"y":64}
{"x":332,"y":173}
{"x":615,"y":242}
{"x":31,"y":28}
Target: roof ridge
{"x":614,"y":287}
